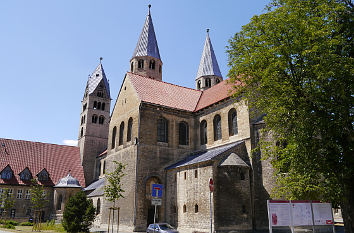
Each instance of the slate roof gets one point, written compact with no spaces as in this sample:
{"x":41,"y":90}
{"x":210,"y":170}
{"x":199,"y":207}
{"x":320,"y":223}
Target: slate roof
{"x":203,"y":156}
{"x":68,"y":182}
{"x":97,"y":187}
{"x":56,"y":159}
{"x":94,"y":185}
{"x":95,"y":78}
{"x":208,"y":63}
{"x":147,"y":43}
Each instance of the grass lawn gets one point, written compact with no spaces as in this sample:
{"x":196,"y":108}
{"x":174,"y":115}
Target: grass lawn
{"x":28,"y":229}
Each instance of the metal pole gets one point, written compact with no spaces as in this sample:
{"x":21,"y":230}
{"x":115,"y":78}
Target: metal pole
{"x":113,"y":218}
{"x":211,"y":215}
{"x":154,"y":218}
{"x":118,"y":220}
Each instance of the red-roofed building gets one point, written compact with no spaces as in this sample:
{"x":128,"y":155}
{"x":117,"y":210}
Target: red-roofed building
{"x":21,"y":161}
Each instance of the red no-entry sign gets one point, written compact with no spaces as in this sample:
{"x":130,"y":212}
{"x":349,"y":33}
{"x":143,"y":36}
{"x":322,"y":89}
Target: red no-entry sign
{"x":211,"y":184}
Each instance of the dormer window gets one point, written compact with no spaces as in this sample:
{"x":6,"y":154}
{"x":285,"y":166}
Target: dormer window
{"x":97,"y":75}
{"x":43,"y":175}
{"x":26,"y":175}
{"x":217,"y":80}
{"x":132,"y":67}
{"x":141,"y":64}
{"x":198,"y":84}
{"x":208,"y":82}
{"x":160,"y":69}
{"x":7,"y":173}
{"x":152,"y":64}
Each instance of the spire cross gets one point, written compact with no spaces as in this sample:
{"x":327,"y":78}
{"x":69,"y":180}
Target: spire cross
{"x":149,"y":8}
{"x":101,"y":58}
{"x":208,"y":30}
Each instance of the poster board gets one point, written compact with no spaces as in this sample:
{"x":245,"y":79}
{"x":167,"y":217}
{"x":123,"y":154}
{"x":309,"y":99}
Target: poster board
{"x":322,"y":214}
{"x":301,"y":213}
{"x":279,"y":213}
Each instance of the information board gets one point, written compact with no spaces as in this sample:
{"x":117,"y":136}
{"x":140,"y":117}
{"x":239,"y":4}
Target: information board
{"x":322,"y":213}
{"x":279,"y":212}
{"x":302,"y":215}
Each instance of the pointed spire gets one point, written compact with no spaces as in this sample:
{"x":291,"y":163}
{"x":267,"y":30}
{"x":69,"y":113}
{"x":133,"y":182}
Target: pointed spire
{"x":208,"y":63}
{"x":147,"y":44}
{"x":96,"y":77}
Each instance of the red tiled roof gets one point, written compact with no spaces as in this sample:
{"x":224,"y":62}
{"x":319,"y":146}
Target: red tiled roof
{"x":165,"y":94}
{"x":56,"y":159}
{"x":174,"y":96}
{"x":214,"y":94}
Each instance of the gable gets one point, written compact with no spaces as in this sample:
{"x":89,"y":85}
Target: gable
{"x":233,"y":160}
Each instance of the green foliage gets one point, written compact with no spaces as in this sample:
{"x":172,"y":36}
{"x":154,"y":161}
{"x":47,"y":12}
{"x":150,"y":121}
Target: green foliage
{"x":295,"y":63}
{"x":113,"y":190}
{"x":12,"y":222}
{"x":78,"y":214}
{"x":38,"y":198}
{"x":26,"y":224}
{"x":8,"y":226}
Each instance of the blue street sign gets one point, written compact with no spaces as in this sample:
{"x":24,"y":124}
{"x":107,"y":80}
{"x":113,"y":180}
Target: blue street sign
{"x":156,"y":190}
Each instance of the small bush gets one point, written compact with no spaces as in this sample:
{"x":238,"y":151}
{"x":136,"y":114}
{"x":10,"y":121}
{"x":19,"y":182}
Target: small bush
{"x":12,"y":222}
{"x":8,"y":226}
{"x":26,"y":224}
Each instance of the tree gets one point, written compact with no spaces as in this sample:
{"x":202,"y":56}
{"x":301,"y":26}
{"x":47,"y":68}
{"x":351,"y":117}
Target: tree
{"x":79,"y":213}
{"x":38,"y":201}
{"x":7,"y":200}
{"x":113,"y":190}
{"x":295,"y":65}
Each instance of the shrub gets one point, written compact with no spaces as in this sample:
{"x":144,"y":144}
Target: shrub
{"x":8,"y":226}
{"x":12,"y":222}
{"x":78,"y":213}
{"x":26,"y":224}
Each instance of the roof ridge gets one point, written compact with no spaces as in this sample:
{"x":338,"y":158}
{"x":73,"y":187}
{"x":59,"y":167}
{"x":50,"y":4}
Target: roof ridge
{"x":49,"y":143}
{"x":165,"y":82}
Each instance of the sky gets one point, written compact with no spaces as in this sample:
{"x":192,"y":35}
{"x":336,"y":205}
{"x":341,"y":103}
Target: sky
{"x":48,"y":49}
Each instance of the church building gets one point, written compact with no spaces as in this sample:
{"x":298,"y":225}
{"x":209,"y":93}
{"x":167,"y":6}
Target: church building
{"x":178,"y":137}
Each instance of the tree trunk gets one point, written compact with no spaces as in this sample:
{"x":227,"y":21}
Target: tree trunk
{"x":348,"y":207}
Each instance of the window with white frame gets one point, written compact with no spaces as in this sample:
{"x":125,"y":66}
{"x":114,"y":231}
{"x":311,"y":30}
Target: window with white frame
{"x":28,"y":194}
{"x":19,"y":194}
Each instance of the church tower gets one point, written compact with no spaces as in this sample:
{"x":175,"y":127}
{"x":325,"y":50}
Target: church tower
{"x":94,"y":124}
{"x":146,"y":59}
{"x":208,"y":72}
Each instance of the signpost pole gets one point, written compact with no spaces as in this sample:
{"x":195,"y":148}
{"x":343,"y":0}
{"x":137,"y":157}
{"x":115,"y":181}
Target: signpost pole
{"x":154,"y":218}
{"x":211,"y":215}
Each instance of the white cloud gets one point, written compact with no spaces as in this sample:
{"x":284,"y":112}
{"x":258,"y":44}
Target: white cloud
{"x":69,"y":142}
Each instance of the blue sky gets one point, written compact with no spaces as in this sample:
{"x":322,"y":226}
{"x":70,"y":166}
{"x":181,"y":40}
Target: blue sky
{"x":48,"y":49}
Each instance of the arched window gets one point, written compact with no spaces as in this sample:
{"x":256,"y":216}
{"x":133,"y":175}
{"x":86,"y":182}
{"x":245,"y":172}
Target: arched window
{"x":152,"y":64}
{"x":121,"y":133}
{"x":208,"y":82}
{"x":84,"y":107}
{"x":217,"y":127}
{"x":132,"y":67}
{"x":94,"y":119}
{"x":203,"y":133}
{"x":183,"y":133}
{"x":103,"y":106}
{"x":99,"y":105}
{"x":184,"y":208}
{"x":233,"y":130}
{"x":129,"y":131}
{"x":95,"y":105}
{"x":114,"y":133}
{"x":98,"y":207}
{"x":162,"y":130}
{"x":198,"y":84}
{"x":100,"y":94}
{"x":141,"y":64}
{"x":84,"y":119}
{"x":101,"y":120}
{"x":196,"y":209}
{"x":82,"y":132}
{"x":60,"y":200}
